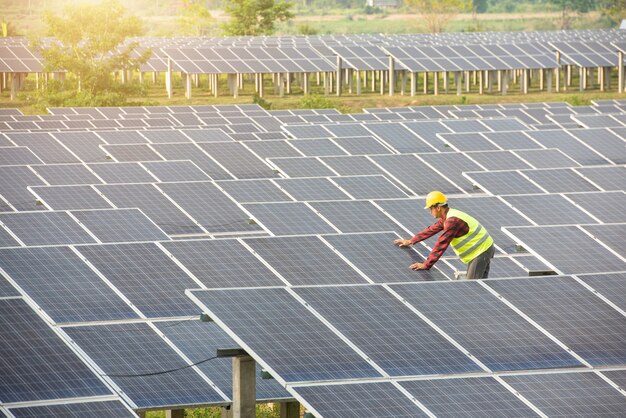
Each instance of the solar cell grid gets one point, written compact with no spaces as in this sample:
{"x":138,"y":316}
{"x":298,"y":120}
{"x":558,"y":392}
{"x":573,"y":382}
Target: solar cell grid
{"x":498,"y":160}
{"x":355,"y":216}
{"x":503,"y":182}
{"x":452,"y":165}
{"x":560,"y":180}
{"x":568,"y":145}
{"x":308,"y":189}
{"x":604,"y":141}
{"x":120,"y":225}
{"x":468,"y":142}
{"x":289,"y":218}
{"x":15,"y":179}
{"x":486,"y":327}
{"x":467,"y":397}
{"x":192,"y":153}
{"x":146,"y":275}
{"x":105,"y":409}
{"x":416,"y":175}
{"x":608,"y":178}
{"x":301,"y":349}
{"x":302,"y":167}
{"x":561,"y":211}
{"x":317,"y":147}
{"x":10,"y":155}
{"x":399,"y":138}
{"x":253,"y":191}
{"x":131,"y":349}
{"x":569,"y":394}
{"x":273,"y":149}
{"x":165,"y":136}
{"x":45,"y":228}
{"x":304,"y":261}
{"x":388,"y":332}
{"x":134,"y":152}
{"x":238,"y":160}
{"x":366,"y":400}
{"x":84,"y":144}
{"x":546,"y":158}
{"x":36,"y":364}
{"x":540,"y":240}
{"x":612,"y":235}
{"x":611,"y":286}
{"x":369,"y":187}
{"x":582,"y":321}
{"x":167,"y":171}
{"x":66,"y":174}
{"x":353,"y":165}
{"x":122,"y":137}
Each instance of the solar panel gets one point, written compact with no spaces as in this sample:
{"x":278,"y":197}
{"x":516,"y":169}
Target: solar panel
{"x":15,"y":179}
{"x":122,"y":137}
{"x":355,"y":216}
{"x":121,"y":350}
{"x":6,"y":240}
{"x":382,"y":261}
{"x":306,"y":131}
{"x":546,"y":158}
{"x":63,"y":285}
{"x":611,"y":286}
{"x":452,"y":165}
{"x":176,"y":171}
{"x":304,"y":189}
{"x":364,"y":400}
{"x":369,"y":187}
{"x":70,"y":197}
{"x":612,"y":235}
{"x":569,"y":394}
{"x":387,"y":331}
{"x":209,"y":206}
{"x":561,"y":210}
{"x":302,"y":167}
{"x":238,"y":160}
{"x":66,"y":174}
{"x":317,"y":147}
{"x":497,"y":160}
{"x":361,"y":145}
{"x":197,"y":340}
{"x":193,"y":153}
{"x":126,"y":172}
{"x":120,"y":225}
{"x":146,"y":275}
{"x":253,"y":191}
{"x":604,"y":141}
{"x":304,"y":260}
{"x":36,"y":364}
{"x":273,"y":149}
{"x":44,"y":146}
{"x":222,"y":263}
{"x":300,"y":349}
{"x":45,"y":228}
{"x":154,"y":204}
{"x":503,"y":182}
{"x":289,"y":218}
{"x":467,"y":397}
{"x":84,"y":144}
{"x":353,"y":165}
{"x":511,"y":140}
{"x":560,"y":180}
{"x":467,"y":142}
{"x":17,"y":156}
{"x":541,"y":241}
{"x":569,"y":145}
{"x":589,"y":202}
{"x":169,"y":136}
{"x":104,"y":409}
{"x":133,"y":152}
{"x":487,"y":328}
{"x":399,"y":137}
{"x":578,"y":318}
{"x":609,"y":178}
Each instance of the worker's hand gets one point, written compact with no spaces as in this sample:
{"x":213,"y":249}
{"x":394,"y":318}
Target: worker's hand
{"x":403,"y":242}
{"x":418,"y":266}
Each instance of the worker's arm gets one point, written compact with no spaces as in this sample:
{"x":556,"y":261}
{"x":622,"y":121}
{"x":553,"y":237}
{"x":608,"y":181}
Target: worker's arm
{"x":453,"y":227}
{"x":421,"y":236}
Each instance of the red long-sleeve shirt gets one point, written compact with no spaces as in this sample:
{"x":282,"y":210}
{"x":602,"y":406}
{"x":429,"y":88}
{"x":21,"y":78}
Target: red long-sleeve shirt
{"x":452,"y":228}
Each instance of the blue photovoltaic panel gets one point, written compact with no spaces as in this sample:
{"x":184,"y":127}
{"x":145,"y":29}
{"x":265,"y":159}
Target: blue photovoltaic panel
{"x":153,"y":204}
{"x":501,"y":267}
{"x":361,"y":145}
{"x":275,"y":327}
{"x":566,"y":309}
{"x":253,"y":191}
{"x":317,"y":147}
{"x":113,"y":173}
{"x":466,"y":397}
{"x":387,"y":331}
{"x":199,"y":340}
{"x":485,"y":326}
{"x":381,"y":260}
{"x":304,"y":260}
{"x":120,"y":225}
{"x":238,"y":160}
{"x":176,"y":171}
{"x":6,"y":240}
{"x":399,"y":137}
{"x":208,"y":205}
{"x":131,"y":349}
{"x":609,"y":178}
{"x":353,"y":165}
{"x":546,"y":158}
{"x":562,"y":211}
{"x":589,"y":202}
{"x":132,"y":152}
{"x":44,"y":146}
{"x":66,"y":174}
{"x":46,"y":228}
{"x":146,"y":275}
{"x":611,"y":286}
{"x":560,"y":180}
{"x":105,"y":409}
{"x":70,"y":197}
{"x":363,"y":400}
{"x":543,"y":241}
{"x":569,"y":145}
{"x":498,"y":160}
{"x":455,"y":164}
{"x":15,"y":179}
{"x":511,"y":140}
{"x":570,"y":394}
{"x":193,"y":153}
{"x":613,"y":236}
{"x":302,"y":167}
{"x":503,"y":182}
{"x":290,"y":218}
{"x":36,"y":364}
{"x":306,"y":189}
{"x":6,"y":288}
{"x":273,"y":149}
{"x":17,"y":156}
{"x":63,"y":285}
{"x":222,"y":263}
{"x":369,"y":187}
{"x":355,"y":216}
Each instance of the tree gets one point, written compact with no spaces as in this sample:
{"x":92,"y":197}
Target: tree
{"x":91,"y":44}
{"x":194,"y":18}
{"x":437,"y":13}
{"x":255,"y":17}
{"x":567,"y":7}
{"x":614,"y":10}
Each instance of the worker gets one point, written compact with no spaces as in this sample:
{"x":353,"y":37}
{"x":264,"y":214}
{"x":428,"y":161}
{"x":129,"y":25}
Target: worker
{"x":469,"y":239}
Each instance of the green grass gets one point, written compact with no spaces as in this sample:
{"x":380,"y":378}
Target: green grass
{"x":262,"y":411}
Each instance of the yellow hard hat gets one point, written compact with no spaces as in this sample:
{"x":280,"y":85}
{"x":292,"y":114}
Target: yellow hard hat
{"x":435,"y":198}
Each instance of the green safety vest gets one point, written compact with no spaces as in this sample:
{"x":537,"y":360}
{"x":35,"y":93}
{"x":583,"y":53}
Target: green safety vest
{"x":475,"y":242}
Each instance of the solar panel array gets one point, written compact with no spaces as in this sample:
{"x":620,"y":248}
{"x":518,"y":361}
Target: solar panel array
{"x":285,"y":220}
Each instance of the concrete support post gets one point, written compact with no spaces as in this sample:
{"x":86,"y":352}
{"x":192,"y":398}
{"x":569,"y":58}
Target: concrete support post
{"x":467,"y":81}
{"x":373,"y":77}
{"x":489,"y":80}
{"x":403,"y":78}
{"x":505,"y":82}
{"x":549,"y":74}
{"x":288,"y":81}
{"x":601,"y":78}
{"x":382,"y":82}
{"x":569,"y":76}
{"x":457,"y":83}
{"x":155,"y":77}
{"x":306,"y":84}
{"x":240,"y":77}
{"x":175,"y":413}
{"x":319,"y":78}
{"x":392,"y":74}
{"x":474,"y":77}
{"x":124,"y":75}
{"x":216,"y":82}
{"x":445,"y":82}
{"x":261,"y":86}
{"x":339,"y":77}
{"x":168,"y":79}
{"x":413,"y":83}
{"x":541,"y":78}
{"x":280,"y":79}
{"x":15,"y":80}
{"x":326,"y":84}
{"x":436,"y":82}
{"x":607,"y":77}
{"x":620,"y":74}
{"x":244,"y":387}
{"x":349,"y":73}
{"x":526,"y":80}
{"x":289,"y":410}
{"x":358,"y":82}
{"x":196,"y":79}
{"x":141,"y":77}
{"x":331,"y":77}
{"x":226,"y":412}
{"x":582,"y":74}
{"x":480,"y":82}
{"x":500,"y":80}
{"x":188,"y":86}
{"x":425,"y":82}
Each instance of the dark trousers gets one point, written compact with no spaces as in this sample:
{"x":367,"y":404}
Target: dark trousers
{"x":478,"y":268}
